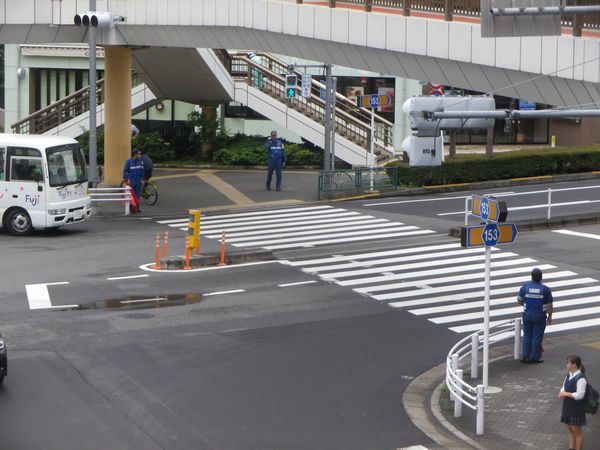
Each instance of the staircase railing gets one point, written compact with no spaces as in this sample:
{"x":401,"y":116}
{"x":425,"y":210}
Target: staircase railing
{"x":63,"y":110}
{"x":352,"y":122}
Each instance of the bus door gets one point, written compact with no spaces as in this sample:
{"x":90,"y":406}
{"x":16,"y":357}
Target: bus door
{"x":4,"y":192}
{"x":27,"y":187}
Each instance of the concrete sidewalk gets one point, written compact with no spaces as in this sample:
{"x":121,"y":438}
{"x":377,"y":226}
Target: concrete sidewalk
{"x":525,"y":414}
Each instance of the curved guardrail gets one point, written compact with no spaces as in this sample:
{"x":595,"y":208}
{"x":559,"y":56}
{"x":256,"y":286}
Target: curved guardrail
{"x":463,"y":393}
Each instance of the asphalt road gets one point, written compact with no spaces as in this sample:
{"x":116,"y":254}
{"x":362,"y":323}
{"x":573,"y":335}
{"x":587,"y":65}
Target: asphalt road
{"x":259,"y":356}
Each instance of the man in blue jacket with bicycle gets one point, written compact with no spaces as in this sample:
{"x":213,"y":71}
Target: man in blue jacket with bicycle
{"x":133,"y":173}
{"x":276,"y":159}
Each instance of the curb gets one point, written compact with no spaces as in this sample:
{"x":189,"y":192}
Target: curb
{"x":213,"y":259}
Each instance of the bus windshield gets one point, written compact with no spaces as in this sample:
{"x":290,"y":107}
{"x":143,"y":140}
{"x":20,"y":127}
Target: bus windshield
{"x":66,"y":165}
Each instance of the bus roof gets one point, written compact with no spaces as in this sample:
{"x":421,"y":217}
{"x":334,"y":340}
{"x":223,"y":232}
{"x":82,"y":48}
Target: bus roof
{"x":33,"y":140}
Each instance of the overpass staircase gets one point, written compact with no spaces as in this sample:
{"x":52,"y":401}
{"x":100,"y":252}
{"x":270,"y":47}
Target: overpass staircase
{"x":260,"y":86}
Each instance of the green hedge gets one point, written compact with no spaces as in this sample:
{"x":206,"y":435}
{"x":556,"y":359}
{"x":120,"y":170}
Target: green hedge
{"x":517,"y":164}
{"x":250,"y":151}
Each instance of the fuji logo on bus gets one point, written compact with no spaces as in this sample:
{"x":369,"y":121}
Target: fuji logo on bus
{"x":33,"y":199}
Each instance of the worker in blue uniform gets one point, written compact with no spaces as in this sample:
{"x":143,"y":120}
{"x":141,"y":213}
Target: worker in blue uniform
{"x":536,"y":299}
{"x":276,"y":159}
{"x":133,"y":173}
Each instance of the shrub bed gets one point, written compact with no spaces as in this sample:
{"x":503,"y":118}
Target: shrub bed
{"x":502,"y":166}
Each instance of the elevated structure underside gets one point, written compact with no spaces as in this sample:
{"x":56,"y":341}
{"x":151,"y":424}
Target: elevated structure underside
{"x":557,"y":70}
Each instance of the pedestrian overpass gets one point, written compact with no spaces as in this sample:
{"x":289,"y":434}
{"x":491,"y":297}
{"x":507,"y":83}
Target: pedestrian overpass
{"x":556,"y":70}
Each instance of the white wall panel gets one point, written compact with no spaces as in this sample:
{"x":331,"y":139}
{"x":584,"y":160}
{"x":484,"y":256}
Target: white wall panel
{"x":416,"y":36}
{"x":564,"y":57}
{"x":549,"y":52}
{"x":460,"y":42}
{"x":357,"y":28}
{"x":507,"y":52}
{"x":232,"y":11}
{"x":209,"y":12}
{"x":20,"y":12}
{"x":437,"y":39}
{"x":306,"y":21}
{"x":579,"y":58}
{"x":259,"y":15}
{"x":222,"y":13}
{"x":531,"y":54}
{"x":196,"y":13}
{"x":43,"y":12}
{"x":290,"y":19}
{"x":592,"y":63}
{"x":376,"y":30}
{"x":484,"y":50}
{"x":172,"y":12}
{"x":275,"y":17}
{"x":323,"y":23}
{"x":151,"y":12}
{"x":396,"y":33}
{"x":185,"y":12}
{"x":339,"y":25}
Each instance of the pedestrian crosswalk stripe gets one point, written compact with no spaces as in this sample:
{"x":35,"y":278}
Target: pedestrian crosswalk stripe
{"x":505,"y":300}
{"x":301,"y":227}
{"x":233,"y":237}
{"x":444,"y":284}
{"x":474,"y":294}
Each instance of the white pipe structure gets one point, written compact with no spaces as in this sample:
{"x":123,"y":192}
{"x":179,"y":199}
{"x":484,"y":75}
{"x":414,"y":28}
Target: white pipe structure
{"x":112,"y":195}
{"x":461,"y":392}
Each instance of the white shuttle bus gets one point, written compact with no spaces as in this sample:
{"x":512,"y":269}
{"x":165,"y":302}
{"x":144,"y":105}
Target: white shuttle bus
{"x":43,"y":183}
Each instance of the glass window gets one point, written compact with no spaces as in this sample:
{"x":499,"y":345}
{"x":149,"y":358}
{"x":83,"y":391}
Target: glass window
{"x":2,"y":159}
{"x":66,"y":165}
{"x":26,"y":169}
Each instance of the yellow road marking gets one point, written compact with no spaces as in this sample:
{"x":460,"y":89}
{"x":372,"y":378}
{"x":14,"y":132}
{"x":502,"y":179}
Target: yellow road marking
{"x":224,"y":188}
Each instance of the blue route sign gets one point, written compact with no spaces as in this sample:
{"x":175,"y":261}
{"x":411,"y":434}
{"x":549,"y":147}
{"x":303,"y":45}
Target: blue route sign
{"x":491,"y":234}
{"x":374,"y":101}
{"x":485,"y":208}
{"x":489,"y":208}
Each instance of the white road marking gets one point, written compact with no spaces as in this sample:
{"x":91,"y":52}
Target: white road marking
{"x":297,"y":284}
{"x":144,"y":300}
{"x":250,"y":214}
{"x":233,"y":291}
{"x":128,"y":277}
{"x":519,"y":208}
{"x":578,"y":234}
{"x":39,"y":297}
{"x":150,"y":267}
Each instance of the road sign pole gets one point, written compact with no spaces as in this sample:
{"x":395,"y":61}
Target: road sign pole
{"x":486,"y":318}
{"x":372,"y":148}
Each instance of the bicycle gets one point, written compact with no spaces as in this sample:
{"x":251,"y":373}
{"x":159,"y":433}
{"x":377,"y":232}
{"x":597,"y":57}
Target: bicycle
{"x":149,"y":192}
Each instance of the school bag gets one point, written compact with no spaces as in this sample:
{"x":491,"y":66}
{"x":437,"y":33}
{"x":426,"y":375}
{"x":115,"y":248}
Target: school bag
{"x":590,"y":403}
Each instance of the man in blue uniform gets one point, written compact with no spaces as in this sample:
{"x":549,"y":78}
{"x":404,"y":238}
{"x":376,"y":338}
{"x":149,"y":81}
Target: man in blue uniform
{"x":276,"y":159}
{"x":133,"y":173}
{"x":536,"y":299}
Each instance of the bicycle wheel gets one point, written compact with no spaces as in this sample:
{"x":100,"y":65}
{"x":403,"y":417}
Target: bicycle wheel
{"x":150,"y":193}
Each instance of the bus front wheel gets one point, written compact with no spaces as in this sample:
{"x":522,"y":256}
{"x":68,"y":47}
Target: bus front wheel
{"x":18,"y":223}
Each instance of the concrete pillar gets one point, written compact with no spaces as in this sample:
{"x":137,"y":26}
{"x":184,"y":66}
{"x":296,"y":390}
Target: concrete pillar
{"x":209,"y":131}
{"x":117,"y":114}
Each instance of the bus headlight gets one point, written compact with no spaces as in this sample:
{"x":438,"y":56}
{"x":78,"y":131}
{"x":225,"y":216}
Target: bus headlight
{"x":57,"y":212}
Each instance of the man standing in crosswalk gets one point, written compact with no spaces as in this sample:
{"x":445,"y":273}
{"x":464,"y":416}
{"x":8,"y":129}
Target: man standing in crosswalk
{"x":536,"y":299}
{"x":276,"y":159}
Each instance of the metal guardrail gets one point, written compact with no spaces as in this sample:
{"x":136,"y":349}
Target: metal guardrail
{"x":335,"y":183}
{"x":268,"y":75}
{"x":63,"y":110}
{"x":120,"y":194}
{"x":472,"y":8}
{"x":461,"y":392}
{"x":548,"y":193}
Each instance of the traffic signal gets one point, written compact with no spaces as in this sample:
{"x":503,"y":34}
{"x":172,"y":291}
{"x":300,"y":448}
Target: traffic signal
{"x":97,"y":19}
{"x":291,"y":84}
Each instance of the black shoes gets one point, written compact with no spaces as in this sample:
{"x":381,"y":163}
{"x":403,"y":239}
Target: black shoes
{"x":531,"y":361}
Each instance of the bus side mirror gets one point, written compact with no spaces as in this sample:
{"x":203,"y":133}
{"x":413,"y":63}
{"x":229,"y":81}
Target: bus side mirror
{"x":37,"y":177}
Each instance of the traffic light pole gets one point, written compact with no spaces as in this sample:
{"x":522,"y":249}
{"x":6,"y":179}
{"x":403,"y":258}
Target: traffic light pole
{"x":93,"y":140}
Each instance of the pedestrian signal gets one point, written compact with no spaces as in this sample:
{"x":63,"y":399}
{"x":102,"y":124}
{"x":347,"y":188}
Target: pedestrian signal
{"x":291,"y":83}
